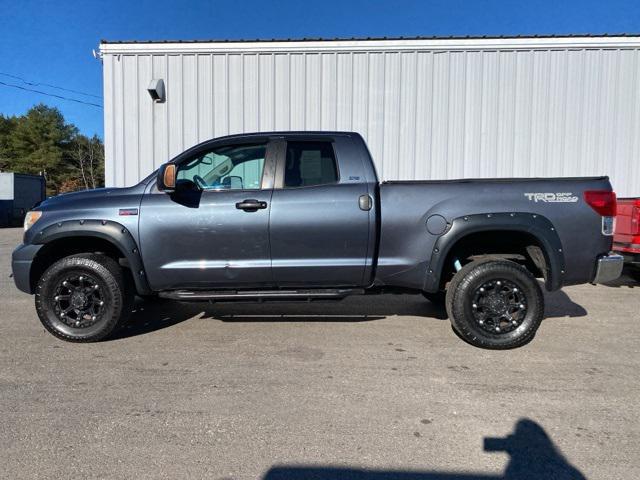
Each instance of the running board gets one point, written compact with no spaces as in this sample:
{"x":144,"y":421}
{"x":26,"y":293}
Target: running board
{"x":260,"y":295}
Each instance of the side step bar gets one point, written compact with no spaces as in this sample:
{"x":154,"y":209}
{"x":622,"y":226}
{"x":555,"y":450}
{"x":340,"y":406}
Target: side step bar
{"x":261,"y":295}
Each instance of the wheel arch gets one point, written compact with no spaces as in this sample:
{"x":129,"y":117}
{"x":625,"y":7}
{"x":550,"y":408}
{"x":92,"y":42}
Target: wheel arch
{"x":532,"y":235}
{"x":88,"y":236}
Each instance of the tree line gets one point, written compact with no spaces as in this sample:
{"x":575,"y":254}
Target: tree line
{"x":42,"y":142}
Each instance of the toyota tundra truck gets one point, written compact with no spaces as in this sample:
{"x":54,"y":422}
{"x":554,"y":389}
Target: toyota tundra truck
{"x":301,"y":216}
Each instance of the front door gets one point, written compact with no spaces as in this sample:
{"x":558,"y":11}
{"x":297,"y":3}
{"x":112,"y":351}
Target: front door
{"x":213,"y":231}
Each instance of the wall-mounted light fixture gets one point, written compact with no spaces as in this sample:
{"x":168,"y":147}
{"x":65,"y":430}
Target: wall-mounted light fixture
{"x":156,"y":90}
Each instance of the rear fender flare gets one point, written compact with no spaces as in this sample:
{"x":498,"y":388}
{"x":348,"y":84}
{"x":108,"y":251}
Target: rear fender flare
{"x":536,"y":225}
{"x":113,"y":232}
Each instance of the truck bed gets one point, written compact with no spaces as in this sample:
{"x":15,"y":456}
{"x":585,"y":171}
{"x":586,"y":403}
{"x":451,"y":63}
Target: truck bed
{"x":406,"y":206}
{"x":490,"y":180}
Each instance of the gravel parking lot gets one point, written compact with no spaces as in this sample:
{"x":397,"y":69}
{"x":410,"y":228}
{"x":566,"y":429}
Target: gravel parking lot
{"x":369,"y":388}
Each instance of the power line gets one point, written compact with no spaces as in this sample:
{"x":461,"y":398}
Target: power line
{"x":50,"y":94}
{"x":38,"y":84}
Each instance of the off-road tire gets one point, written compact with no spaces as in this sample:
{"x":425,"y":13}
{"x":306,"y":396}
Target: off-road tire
{"x":459,"y":303}
{"x":115,"y":288}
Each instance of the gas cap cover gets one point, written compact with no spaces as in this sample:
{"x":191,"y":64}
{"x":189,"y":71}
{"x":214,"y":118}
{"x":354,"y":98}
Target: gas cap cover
{"x":436,"y":224}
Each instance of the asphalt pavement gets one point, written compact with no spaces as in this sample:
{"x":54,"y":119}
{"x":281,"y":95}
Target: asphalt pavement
{"x":368,"y":388}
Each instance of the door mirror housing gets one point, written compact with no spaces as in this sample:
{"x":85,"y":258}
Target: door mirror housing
{"x":166,"y":179}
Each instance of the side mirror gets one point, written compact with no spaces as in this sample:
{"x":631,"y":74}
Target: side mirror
{"x":166,"y":179}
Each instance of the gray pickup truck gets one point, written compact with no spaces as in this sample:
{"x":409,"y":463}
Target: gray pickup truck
{"x":302,"y":216}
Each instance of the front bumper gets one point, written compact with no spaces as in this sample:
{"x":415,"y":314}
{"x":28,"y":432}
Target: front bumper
{"x":608,"y":268}
{"x":21,"y":261}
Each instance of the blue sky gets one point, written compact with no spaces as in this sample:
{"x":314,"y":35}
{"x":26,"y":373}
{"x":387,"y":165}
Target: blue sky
{"x":51,"y":41}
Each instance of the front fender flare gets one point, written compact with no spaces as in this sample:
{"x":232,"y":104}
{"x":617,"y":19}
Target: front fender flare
{"x":536,"y":225}
{"x":113,"y":232}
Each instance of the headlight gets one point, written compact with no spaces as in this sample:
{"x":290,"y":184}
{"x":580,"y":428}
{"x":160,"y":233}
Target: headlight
{"x":31,"y":218}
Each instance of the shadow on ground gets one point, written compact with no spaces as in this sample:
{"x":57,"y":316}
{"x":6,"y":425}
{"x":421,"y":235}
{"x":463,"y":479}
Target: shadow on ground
{"x":558,"y":304}
{"x":156,"y":314}
{"x":532,"y":456}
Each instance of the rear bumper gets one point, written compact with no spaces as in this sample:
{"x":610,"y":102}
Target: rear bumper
{"x":21,"y":261}
{"x":608,"y":268}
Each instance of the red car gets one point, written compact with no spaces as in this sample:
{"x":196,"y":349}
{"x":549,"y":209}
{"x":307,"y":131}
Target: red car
{"x":626,"y":239}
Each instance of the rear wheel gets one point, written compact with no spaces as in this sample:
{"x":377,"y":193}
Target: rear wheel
{"x":495,"y":304}
{"x":82,"y":298}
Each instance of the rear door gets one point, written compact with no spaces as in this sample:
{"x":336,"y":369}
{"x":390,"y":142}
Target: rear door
{"x":319,"y":234}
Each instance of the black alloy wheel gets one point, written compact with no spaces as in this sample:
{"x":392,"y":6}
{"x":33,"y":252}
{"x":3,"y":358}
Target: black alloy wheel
{"x":83,"y":297}
{"x":495,"y":303}
{"x":78,"y":300}
{"x":499,"y":306}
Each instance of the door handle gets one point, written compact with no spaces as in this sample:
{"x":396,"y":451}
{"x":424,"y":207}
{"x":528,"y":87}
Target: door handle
{"x":251,"y":205}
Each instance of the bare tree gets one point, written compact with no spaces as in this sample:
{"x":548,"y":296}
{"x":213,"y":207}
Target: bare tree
{"x":96,"y":160}
{"x":79,"y":155}
{"x":88,"y":158}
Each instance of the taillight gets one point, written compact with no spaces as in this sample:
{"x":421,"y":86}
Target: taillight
{"x":602,"y":201}
{"x":635,"y":221}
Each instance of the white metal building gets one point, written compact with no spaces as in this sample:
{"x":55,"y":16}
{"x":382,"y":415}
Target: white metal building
{"x":429,"y":108}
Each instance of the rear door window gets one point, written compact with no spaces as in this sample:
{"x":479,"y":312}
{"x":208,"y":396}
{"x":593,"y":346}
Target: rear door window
{"x":309,"y":164}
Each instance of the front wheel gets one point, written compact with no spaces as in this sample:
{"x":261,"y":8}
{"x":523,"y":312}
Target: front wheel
{"x":495,"y":304}
{"x":83,"y":298}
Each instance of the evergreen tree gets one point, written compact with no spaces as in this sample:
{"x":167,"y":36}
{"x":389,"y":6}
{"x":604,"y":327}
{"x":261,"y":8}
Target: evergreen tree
{"x":7,"y":125}
{"x":42,"y":142}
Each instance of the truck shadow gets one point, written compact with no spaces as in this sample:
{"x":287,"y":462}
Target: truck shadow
{"x":558,"y":304}
{"x":532,"y":456}
{"x":149,"y":316}
{"x":156,"y":314}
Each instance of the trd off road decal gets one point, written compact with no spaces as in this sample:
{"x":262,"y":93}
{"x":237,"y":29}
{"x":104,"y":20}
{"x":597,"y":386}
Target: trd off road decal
{"x":562,"y":197}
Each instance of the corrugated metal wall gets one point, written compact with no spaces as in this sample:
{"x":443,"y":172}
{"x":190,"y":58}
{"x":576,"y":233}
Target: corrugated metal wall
{"x":425,"y":113}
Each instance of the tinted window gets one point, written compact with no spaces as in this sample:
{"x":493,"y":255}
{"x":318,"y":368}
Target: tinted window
{"x":237,"y":167}
{"x":310,"y":163}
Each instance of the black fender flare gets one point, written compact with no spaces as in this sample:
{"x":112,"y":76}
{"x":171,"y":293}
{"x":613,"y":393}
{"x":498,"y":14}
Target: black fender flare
{"x":113,"y":232}
{"x":536,"y":225}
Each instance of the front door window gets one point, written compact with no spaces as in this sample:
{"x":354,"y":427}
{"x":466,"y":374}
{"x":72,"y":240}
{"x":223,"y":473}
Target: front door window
{"x":237,"y":167}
